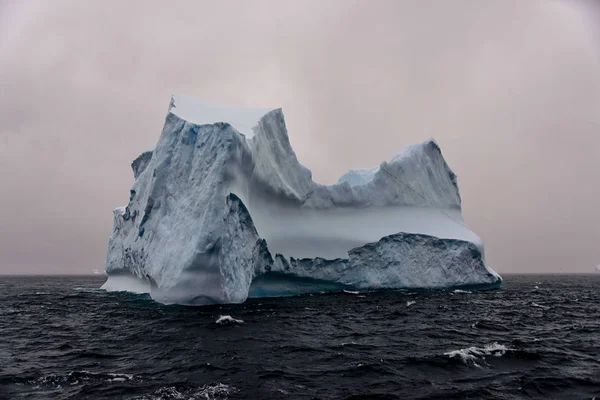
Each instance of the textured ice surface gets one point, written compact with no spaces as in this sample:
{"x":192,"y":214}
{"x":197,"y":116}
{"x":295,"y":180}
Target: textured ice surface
{"x":221,"y":209}
{"x":357,"y":177}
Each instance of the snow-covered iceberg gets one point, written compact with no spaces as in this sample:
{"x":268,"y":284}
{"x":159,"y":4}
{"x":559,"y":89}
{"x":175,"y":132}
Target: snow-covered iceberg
{"x":221,"y":210}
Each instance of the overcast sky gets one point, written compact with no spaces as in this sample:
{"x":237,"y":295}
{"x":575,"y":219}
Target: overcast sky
{"x":509,"y":89}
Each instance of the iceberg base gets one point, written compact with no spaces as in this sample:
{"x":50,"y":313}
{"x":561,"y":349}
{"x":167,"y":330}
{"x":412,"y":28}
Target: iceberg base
{"x":126,"y":282}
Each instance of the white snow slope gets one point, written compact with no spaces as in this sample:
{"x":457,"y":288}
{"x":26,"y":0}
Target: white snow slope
{"x":221,"y":210}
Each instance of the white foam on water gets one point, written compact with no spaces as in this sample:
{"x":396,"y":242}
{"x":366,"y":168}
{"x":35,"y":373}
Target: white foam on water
{"x":88,"y":289}
{"x":410,"y":303}
{"x":207,"y":392}
{"x":474,"y":354}
{"x":464,"y":354}
{"x":228,"y":319}
{"x":539,"y":306}
{"x":80,"y":377}
{"x":120,"y":377}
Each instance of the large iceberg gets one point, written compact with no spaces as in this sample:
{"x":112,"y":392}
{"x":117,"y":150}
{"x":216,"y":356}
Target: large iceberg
{"x":221,"y":210}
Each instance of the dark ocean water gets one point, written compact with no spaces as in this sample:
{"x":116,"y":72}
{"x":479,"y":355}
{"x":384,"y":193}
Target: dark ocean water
{"x":536,"y":337}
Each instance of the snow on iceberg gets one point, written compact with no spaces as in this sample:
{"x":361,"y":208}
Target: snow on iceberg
{"x":221,"y":210}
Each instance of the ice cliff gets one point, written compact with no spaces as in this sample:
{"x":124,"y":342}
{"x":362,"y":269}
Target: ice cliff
{"x":221,"y":210}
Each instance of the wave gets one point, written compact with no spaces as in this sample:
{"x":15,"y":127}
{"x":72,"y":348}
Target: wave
{"x":227,"y":320}
{"x":539,"y":306}
{"x":89,"y":289}
{"x":205,"y":392}
{"x":490,"y":326}
{"x":493,"y":348}
{"x":474,"y":354}
{"x":80,"y":377}
{"x":25,"y":294}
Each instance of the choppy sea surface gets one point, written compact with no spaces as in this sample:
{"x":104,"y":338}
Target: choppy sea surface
{"x":536,"y":337}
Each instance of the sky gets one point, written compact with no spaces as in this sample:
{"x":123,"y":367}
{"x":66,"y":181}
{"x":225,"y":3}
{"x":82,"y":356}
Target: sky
{"x":509,"y":89}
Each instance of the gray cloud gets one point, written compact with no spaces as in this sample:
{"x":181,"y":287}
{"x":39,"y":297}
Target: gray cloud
{"x":510,"y":89}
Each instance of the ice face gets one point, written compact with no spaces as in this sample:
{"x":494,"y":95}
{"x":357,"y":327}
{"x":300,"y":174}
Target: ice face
{"x":223,"y":210}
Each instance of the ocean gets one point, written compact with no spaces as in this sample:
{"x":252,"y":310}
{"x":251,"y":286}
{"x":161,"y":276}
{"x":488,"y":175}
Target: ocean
{"x":535,"y":337}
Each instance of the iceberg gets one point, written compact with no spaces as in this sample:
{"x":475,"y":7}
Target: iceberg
{"x":222,"y":210}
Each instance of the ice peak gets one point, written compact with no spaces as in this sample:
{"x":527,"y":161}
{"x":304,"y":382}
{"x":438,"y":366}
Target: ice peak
{"x":361,"y":176}
{"x":201,"y":113}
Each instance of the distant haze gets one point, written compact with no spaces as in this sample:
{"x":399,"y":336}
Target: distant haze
{"x":509,"y":89}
